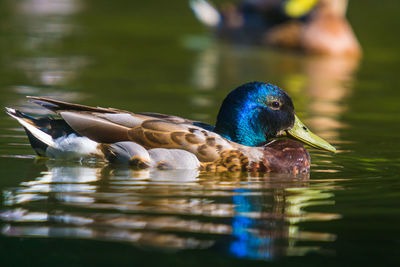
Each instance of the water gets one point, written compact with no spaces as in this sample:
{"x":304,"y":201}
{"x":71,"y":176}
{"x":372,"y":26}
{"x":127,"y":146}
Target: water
{"x":154,"y":56}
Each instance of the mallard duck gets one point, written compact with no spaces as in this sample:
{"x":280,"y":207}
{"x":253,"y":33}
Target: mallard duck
{"x":248,"y":134}
{"x":313,"y":26}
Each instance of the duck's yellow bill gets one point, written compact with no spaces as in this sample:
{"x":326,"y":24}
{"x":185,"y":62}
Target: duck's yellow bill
{"x":302,"y":133}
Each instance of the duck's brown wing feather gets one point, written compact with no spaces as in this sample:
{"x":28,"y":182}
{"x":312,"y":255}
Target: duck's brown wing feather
{"x":57,"y":105}
{"x":93,"y":126}
{"x":171,"y":118}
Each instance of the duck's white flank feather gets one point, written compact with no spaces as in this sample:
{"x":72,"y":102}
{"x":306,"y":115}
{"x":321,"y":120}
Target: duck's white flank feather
{"x":173,"y":159}
{"x":72,"y":147}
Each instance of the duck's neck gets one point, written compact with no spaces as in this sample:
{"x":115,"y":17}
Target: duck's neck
{"x":240,"y":125}
{"x":332,"y":7}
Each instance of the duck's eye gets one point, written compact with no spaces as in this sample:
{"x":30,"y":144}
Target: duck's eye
{"x":275,"y":104}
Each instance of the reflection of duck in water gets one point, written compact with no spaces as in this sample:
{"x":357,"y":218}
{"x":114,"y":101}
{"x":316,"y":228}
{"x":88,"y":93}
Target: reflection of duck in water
{"x":89,"y":202}
{"x":250,"y":117}
{"x":310,"y":25}
{"x":265,"y":226}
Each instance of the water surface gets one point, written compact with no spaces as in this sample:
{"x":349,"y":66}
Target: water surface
{"x":154,"y":56}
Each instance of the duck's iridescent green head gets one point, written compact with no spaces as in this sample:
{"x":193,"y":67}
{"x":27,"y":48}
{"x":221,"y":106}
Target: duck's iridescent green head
{"x":256,"y":112}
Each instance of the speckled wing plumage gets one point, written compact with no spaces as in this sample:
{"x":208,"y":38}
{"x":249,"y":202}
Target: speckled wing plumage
{"x":152,"y":130}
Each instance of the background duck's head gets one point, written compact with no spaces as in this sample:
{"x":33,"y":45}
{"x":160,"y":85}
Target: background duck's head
{"x":257,"y":112}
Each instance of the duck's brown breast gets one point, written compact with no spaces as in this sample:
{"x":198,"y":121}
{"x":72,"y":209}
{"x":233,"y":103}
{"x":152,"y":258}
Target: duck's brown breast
{"x":285,"y":156}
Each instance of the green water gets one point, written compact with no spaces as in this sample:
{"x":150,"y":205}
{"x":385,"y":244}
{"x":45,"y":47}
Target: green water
{"x":154,"y":56}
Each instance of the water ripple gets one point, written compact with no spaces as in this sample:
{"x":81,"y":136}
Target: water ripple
{"x":258,"y":215}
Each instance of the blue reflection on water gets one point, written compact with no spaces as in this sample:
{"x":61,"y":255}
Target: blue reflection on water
{"x":246,"y":244}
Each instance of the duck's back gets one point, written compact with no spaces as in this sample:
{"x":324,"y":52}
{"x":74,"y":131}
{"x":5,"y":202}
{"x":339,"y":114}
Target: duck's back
{"x":151,"y":130}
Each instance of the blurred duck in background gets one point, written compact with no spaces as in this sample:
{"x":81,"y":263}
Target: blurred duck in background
{"x":312,"y":26}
